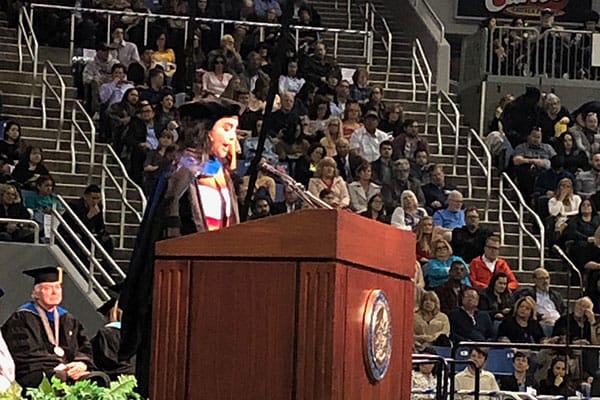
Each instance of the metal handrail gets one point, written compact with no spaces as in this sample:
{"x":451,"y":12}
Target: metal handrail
{"x":434,"y":16}
{"x":186,"y":19}
{"x":519,"y":215}
{"x":426,"y":75}
{"x":91,"y":141}
{"x":122,"y":189}
{"x":30,"y":41}
{"x":60,"y":98}
{"x":95,"y":246}
{"x":454,"y":124}
{"x":371,"y":12}
{"x":35,"y":225}
{"x":486,"y":168}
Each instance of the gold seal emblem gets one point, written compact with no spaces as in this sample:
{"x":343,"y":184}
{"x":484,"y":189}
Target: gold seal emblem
{"x":377,"y":335}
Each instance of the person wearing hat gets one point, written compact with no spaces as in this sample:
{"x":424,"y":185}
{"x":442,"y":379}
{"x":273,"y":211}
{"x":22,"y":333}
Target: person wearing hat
{"x":365,"y":141}
{"x":96,"y":73}
{"x":44,"y":338}
{"x":105,"y":345}
{"x":7,"y":364}
{"x":196,"y":194}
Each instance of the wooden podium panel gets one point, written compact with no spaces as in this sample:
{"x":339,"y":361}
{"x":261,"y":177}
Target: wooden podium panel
{"x":274,"y":309}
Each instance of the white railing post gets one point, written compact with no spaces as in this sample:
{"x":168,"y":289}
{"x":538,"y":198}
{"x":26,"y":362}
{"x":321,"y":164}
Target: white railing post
{"x":122,"y":217}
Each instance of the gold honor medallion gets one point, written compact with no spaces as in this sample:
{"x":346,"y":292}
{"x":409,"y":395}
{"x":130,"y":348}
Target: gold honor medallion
{"x":377,"y":335}
{"x":59,"y":351}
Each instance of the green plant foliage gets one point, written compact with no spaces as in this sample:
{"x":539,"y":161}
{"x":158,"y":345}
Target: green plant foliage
{"x":83,"y":389}
{"x":12,"y":393}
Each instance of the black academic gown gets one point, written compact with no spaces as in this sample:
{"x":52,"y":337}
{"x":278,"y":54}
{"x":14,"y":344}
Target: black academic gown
{"x":105,"y":349}
{"x":32,"y":351}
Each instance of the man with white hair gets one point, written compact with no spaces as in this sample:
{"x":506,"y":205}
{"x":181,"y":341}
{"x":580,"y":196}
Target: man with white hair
{"x":44,"y":338}
{"x":452,"y":216}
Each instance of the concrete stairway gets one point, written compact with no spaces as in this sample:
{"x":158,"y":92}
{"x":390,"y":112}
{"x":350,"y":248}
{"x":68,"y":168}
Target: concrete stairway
{"x":16,"y":88}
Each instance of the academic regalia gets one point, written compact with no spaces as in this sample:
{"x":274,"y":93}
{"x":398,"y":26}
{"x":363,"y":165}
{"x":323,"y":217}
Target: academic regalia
{"x":172,"y":205}
{"x":31,"y":349}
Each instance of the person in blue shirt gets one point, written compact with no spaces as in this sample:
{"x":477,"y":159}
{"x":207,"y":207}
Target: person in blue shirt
{"x":436,"y":269}
{"x":452,"y":216}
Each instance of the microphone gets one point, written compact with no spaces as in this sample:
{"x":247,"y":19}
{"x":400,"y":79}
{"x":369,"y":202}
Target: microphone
{"x":306,"y":196}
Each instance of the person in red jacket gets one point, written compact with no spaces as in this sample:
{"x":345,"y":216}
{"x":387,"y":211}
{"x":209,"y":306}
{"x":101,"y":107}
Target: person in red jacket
{"x":482,"y":268}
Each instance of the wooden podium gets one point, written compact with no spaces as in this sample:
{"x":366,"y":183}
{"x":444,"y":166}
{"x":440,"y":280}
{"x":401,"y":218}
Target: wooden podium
{"x":273,"y":309}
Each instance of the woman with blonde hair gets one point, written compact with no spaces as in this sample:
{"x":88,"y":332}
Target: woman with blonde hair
{"x":332,"y":134}
{"x":522,"y":326}
{"x":326,"y":176}
{"x":424,"y":232}
{"x":431,"y":326}
{"x":436,"y":270}
{"x":408,"y":215}
{"x":351,"y":121}
{"x":563,"y":205}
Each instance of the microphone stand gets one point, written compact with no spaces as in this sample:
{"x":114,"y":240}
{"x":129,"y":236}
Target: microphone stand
{"x":571,"y":267}
{"x":306,"y":196}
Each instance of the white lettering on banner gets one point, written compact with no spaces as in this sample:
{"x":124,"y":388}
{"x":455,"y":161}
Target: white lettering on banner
{"x":499,"y":5}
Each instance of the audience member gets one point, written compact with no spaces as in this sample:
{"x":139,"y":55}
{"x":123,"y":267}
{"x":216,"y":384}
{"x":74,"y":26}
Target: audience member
{"x":112,"y":92}
{"x":580,"y":232}
{"x":125,"y":52}
{"x":42,"y":199}
{"x":228,"y":50}
{"x":375,"y":210}
{"x":12,"y":207}
{"x":326,"y":176}
{"x":11,"y":145}
{"x":347,"y":162}
{"x":522,"y":326}
{"x":166,"y":116}
{"x":496,"y":298}
{"x":469,"y":241}
{"x":304,"y":4}
{"x":530,"y":159}
{"x":424,"y":232}
{"x":424,"y":378}
{"x":315,"y":123}
{"x":95,"y":73}
{"x":165,"y":56}
{"x":216,"y":79}
{"x":436,"y":192}
{"x":252,"y":73}
{"x":585,"y":135}
{"x":467,"y":323}
{"x":261,"y":207}
{"x":421,"y":168}
{"x":351,"y":121}
{"x":549,"y":301}
{"x":365,"y":141}
{"x":328,"y":197}
{"x":489,"y":263}
{"x":392,"y":122}
{"x":582,"y":327}
{"x":575,"y":158}
{"x":105,"y":344}
{"x":332,"y":133}
{"x":436,"y":270}
{"x":140,"y":138}
{"x":286,"y":115}
{"x":30,"y":168}
{"x":291,"y":148}
{"x":431,"y":326}
{"x":518,"y":117}
{"x":407,"y":143}
{"x":520,"y":380}
{"x":157,"y":159}
{"x":360,"y":89}
{"x":465,"y":379}
{"x":316,"y":68}
{"x":561,"y":207}
{"x":588,"y":182}
{"x":553,"y":119}
{"x":401,"y":181}
{"x":557,"y":382}
{"x":31,"y":341}
{"x":546,"y":184}
{"x":408,"y":214}
{"x":453,"y":216}
{"x":147,"y":61}
{"x":382,"y":167}
{"x":291,"y":202}
{"x":376,"y":102}
{"x":362,"y":189}
{"x":451,"y":292}
{"x":119,"y":115}
{"x":290,"y":82}
{"x":89,"y":210}
{"x":341,"y":98}
{"x":306,"y":165}
{"x":156,"y":88}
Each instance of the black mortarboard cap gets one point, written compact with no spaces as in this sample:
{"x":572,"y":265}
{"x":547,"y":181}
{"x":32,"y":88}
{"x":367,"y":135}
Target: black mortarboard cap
{"x":113,"y":292}
{"x":210,"y":109}
{"x":50,"y":273}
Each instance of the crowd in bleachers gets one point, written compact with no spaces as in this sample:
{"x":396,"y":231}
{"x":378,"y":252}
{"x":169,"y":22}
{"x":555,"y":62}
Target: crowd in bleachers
{"x":353,"y":149}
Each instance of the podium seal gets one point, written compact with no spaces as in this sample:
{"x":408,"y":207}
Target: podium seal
{"x":377,"y":335}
